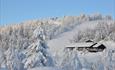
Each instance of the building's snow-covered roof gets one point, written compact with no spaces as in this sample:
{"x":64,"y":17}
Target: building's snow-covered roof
{"x":98,"y":44}
{"x":84,"y":44}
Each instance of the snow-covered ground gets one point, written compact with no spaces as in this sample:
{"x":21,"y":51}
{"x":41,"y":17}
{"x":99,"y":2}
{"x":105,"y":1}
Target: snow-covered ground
{"x":45,"y":68}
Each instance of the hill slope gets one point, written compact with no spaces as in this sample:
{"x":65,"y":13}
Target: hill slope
{"x":21,"y":42}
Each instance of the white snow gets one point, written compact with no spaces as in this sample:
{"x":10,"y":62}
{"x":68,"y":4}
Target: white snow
{"x":45,"y":68}
{"x":63,"y":40}
{"x":37,"y":57}
{"x":80,"y":44}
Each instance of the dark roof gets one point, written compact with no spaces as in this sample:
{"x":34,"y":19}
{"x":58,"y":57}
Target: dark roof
{"x":89,"y":41}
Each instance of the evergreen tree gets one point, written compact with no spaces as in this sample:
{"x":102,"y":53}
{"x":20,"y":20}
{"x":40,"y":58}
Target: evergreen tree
{"x":37,"y":53}
{"x":12,"y":59}
{"x":71,"y":61}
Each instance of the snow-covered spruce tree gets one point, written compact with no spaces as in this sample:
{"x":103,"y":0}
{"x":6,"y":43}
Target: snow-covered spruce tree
{"x":108,"y":59}
{"x":2,"y":56}
{"x":12,"y":59}
{"x":102,"y":31}
{"x":37,"y":53}
{"x":71,"y":61}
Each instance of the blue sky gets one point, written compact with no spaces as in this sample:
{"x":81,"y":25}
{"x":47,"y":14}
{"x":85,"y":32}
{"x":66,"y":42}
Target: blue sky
{"x":15,"y":11}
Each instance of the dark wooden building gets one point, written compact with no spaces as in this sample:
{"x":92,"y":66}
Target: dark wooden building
{"x":90,"y":47}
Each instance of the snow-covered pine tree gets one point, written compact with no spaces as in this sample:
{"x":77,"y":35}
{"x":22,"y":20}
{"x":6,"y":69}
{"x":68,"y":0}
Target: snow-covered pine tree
{"x":37,"y":53}
{"x":12,"y":59}
{"x":1,"y":57}
{"x":71,"y":61}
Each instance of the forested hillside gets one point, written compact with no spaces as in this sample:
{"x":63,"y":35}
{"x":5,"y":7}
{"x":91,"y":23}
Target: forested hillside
{"x":37,"y":44}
